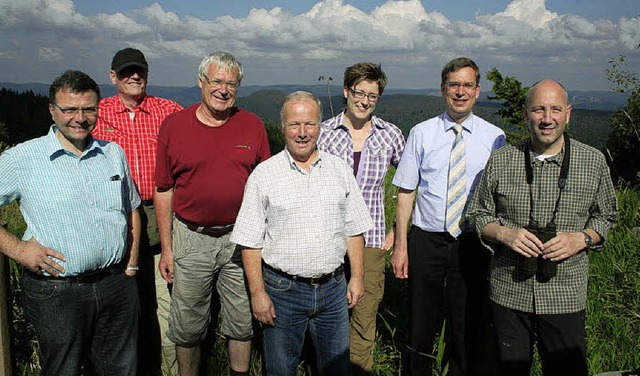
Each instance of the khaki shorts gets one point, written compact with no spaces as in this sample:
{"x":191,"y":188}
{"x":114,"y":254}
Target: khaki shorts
{"x":197,"y":260}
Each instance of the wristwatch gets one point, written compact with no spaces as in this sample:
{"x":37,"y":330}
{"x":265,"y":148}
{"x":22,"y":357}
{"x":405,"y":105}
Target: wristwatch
{"x":587,"y":239}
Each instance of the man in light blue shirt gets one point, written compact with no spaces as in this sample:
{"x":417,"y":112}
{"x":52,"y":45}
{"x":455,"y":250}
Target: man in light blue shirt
{"x":80,"y":248}
{"x":442,"y":259}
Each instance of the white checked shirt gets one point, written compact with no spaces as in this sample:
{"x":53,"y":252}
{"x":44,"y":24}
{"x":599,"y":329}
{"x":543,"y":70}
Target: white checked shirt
{"x":301,"y":220}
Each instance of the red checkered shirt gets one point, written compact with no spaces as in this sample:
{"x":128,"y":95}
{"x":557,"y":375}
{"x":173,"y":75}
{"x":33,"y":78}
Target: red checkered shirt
{"x":138,"y":137}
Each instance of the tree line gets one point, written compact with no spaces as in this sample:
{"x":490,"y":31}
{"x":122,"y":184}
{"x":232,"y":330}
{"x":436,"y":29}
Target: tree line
{"x":25,"y":115}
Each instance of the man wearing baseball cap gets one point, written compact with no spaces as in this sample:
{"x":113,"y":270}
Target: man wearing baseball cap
{"x":128,"y":57}
{"x":131,"y":118}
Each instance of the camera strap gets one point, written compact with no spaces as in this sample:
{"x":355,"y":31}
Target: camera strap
{"x":562,"y":179}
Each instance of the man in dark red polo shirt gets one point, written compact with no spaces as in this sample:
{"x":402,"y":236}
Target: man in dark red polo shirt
{"x":132,"y":119}
{"x":205,"y":155}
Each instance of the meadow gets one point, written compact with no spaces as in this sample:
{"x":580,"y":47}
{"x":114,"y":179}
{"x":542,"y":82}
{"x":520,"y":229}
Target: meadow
{"x":613,"y":307}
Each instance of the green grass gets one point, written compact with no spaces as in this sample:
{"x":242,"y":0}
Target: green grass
{"x":613,"y":305}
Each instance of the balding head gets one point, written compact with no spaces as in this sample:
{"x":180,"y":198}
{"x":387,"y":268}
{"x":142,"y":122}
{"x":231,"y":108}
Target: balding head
{"x":547,"y":113}
{"x":545,"y":85}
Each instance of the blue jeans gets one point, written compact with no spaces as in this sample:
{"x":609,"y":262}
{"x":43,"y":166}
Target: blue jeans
{"x":322,"y":309}
{"x":74,"y":323}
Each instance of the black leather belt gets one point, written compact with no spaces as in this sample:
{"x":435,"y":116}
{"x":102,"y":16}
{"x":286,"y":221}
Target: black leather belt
{"x":215,"y":231}
{"x":309,"y":280}
{"x":82,"y":278}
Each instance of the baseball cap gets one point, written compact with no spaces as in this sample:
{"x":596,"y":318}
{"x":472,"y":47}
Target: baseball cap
{"x":128,"y":57}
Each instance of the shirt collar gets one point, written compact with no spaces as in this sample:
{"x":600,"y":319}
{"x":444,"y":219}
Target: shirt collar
{"x":375,"y":122}
{"x":140,"y":107}
{"x":556,"y":158}
{"x":293,"y":164}
{"x":55,"y":149}
{"x":339,"y":123}
{"x":468,"y":124}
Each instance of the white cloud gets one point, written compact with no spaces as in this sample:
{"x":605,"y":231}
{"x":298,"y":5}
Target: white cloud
{"x":530,"y":12}
{"x":524,"y":39}
{"x":630,"y":32}
{"x":49,"y":54}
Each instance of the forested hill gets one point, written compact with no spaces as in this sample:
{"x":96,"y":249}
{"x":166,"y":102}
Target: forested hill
{"x":406,"y":110}
{"x":25,"y":115}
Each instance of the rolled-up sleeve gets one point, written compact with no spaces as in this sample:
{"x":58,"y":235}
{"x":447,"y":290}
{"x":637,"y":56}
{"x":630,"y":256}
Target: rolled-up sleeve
{"x":604,"y":209}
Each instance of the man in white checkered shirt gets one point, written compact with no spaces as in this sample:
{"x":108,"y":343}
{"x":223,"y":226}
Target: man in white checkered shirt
{"x":301,"y":213}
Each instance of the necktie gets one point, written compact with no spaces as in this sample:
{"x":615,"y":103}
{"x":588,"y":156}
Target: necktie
{"x":457,"y":187}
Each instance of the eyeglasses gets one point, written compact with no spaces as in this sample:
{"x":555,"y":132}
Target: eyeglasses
{"x":361,"y":94}
{"x":468,"y":86}
{"x":73,"y":111}
{"x":296,"y":126}
{"x":217,"y":84}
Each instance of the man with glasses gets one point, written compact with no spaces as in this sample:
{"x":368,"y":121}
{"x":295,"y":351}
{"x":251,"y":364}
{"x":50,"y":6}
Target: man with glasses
{"x":205,"y":155}
{"x":442,"y":258}
{"x":302,"y":211}
{"x":80,"y":248}
{"x":541,"y":205}
{"x":369,"y":145}
{"x":132,"y":119}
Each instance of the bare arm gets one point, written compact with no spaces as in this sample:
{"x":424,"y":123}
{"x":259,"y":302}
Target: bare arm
{"x":261,"y":304}
{"x":355,"y":250}
{"x":399,"y":258}
{"x":135,"y":225}
{"x":30,"y":253}
{"x":390,"y":237}
{"x":162,"y":201}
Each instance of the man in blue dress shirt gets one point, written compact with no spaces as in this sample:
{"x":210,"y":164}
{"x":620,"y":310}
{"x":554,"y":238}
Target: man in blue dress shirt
{"x":80,"y":248}
{"x":443,"y":259}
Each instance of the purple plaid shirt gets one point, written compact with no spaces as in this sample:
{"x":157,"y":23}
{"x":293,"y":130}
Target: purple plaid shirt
{"x":382,"y":148}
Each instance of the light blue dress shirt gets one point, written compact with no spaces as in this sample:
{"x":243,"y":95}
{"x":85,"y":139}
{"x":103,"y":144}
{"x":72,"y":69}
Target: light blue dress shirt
{"x":425,"y":164}
{"x":77,"y":206}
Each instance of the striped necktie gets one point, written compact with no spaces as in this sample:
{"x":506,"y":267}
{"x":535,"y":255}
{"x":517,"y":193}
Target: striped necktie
{"x":457,"y":187}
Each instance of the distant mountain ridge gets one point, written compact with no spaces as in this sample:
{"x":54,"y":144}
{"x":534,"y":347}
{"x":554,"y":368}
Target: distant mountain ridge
{"x":186,"y":96}
{"x":404,"y":108}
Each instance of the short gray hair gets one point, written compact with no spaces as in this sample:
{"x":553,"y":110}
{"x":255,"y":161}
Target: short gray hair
{"x":222,"y":60}
{"x":301,"y":96}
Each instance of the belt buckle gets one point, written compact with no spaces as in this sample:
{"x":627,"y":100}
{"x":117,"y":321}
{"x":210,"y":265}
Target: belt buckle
{"x":80,"y":279}
{"x":92,"y":276}
{"x":320,"y":279}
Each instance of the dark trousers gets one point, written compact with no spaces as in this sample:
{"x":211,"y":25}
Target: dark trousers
{"x":560,"y":338}
{"x":448,"y":278}
{"x":76,"y":323}
{"x":150,"y":349}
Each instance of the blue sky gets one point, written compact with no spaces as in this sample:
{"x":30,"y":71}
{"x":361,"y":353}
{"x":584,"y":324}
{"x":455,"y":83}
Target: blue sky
{"x":295,"y":41}
{"x":460,"y":9}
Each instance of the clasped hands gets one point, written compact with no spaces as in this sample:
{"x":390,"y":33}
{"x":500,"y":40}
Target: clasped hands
{"x":558,"y":248}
